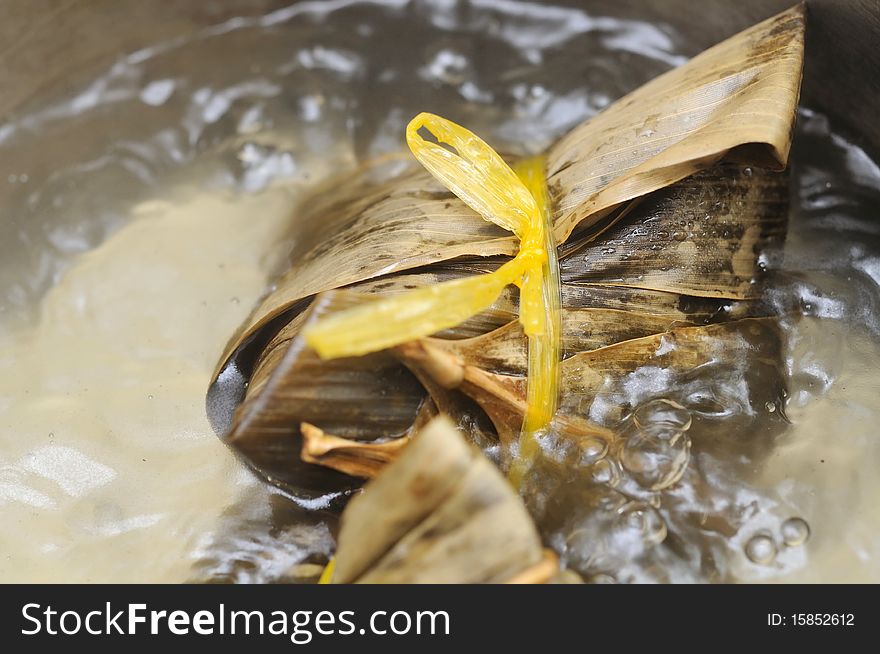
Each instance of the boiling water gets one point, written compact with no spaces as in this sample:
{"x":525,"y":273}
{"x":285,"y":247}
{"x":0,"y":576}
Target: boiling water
{"x":146,"y":212}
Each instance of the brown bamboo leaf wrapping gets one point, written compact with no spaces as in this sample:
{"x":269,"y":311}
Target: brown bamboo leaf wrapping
{"x":361,"y":398}
{"x":708,"y":235}
{"x":346,"y":455}
{"x":404,"y":232}
{"x":363,"y":231}
{"x":737,"y":100}
{"x":599,"y":386}
{"x":441,"y":513}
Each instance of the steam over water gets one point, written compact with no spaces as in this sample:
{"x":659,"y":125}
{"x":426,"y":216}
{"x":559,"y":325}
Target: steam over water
{"x":146,"y":212}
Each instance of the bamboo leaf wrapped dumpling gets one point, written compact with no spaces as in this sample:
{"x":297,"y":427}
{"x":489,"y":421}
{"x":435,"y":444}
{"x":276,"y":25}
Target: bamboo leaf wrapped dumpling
{"x":626,"y":177}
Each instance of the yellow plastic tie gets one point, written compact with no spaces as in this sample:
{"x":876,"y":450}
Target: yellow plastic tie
{"x":327,"y":573}
{"x":515,"y":201}
{"x":540,"y":304}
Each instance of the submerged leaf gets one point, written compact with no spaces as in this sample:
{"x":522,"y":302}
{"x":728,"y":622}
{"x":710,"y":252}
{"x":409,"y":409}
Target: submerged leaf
{"x":679,"y":364}
{"x":603,"y":384}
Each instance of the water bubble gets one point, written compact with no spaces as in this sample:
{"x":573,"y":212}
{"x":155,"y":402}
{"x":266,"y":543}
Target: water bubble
{"x":704,"y":403}
{"x":645,"y":521}
{"x":655,"y":456}
{"x":795,"y":531}
{"x":592,"y":449}
{"x":579,"y":540}
{"x":747,"y":171}
{"x":679,"y":236}
{"x":662,"y":411}
{"x":761,"y":549}
{"x":605,"y":472}
{"x":770,"y":406}
{"x":607,"y":250}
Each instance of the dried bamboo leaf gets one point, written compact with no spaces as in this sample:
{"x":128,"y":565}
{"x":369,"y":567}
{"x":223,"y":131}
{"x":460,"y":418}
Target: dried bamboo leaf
{"x":620,"y":314}
{"x":415,"y":486}
{"x":605,"y":383}
{"x":461,"y":410}
{"x":673,"y":307}
{"x":709,"y":235}
{"x":273,"y":353}
{"x":540,"y":573}
{"x":502,"y":397}
{"x":290,"y":384}
{"x":357,"y":458}
{"x":371,"y":231}
{"x":362,"y":398}
{"x":441,"y":513}
{"x":590,"y":329}
{"x":577,"y":294}
{"x":735,"y":101}
{"x":352,"y":457}
{"x":505,"y":350}
{"x":481,"y":534}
